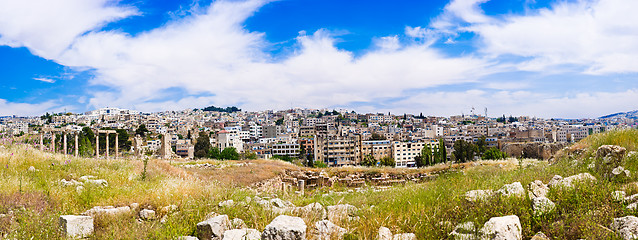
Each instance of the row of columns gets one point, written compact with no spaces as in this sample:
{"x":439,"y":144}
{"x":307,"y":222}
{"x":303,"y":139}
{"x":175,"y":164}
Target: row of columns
{"x":97,"y":142}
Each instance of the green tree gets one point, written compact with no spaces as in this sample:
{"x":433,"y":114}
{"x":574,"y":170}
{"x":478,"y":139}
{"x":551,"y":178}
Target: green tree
{"x":123,"y":141}
{"x":442,"y":151}
{"x":249,"y":155}
{"x":369,"y":161}
{"x":202,"y":146}
{"x":229,"y":153}
{"x":141,"y":130}
{"x":481,"y":145}
{"x":494,"y":154}
{"x":279,"y":122}
{"x":388,"y":161}
{"x":214,"y":153}
{"x":464,"y":151}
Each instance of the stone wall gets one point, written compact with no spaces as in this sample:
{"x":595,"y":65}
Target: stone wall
{"x":542,"y":151}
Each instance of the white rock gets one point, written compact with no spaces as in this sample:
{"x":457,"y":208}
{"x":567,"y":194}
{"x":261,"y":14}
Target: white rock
{"x":502,"y":228}
{"x":187,"y":238}
{"x":464,"y":231}
{"x":147,"y":214}
{"x":569,"y":182}
{"x":514,"y":189}
{"x":384,"y":234}
{"x":542,"y":205}
{"x":227,"y":203}
{"x":99,"y":182}
{"x":626,"y":227}
{"x":134,"y":206}
{"x":478,"y":195}
{"x":313,"y":210}
{"x":87,"y":177}
{"x":237,"y":223}
{"x":213,"y":228}
{"x":169,"y":209}
{"x":618,"y":196}
{"x":76,"y":226}
{"x":540,"y":236}
{"x":31,"y":169}
{"x":285,"y":228}
{"x":242,"y":234}
{"x":71,"y":182}
{"x":110,"y":210}
{"x":404,"y":236}
{"x":632,"y":206}
{"x":537,"y":189}
{"x":340,"y":212}
{"x":632,"y":198}
{"x":281,"y":203}
{"x":326,"y":230}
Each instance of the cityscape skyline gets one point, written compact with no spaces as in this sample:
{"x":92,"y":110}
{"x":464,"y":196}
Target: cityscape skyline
{"x":548,"y":59}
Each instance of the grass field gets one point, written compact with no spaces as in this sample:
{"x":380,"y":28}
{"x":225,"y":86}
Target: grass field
{"x":33,"y":200}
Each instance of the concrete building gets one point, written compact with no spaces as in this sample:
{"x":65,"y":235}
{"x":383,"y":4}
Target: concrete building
{"x":378,"y":149}
{"x":404,"y":152}
{"x":285,"y":149}
{"x":337,"y":150}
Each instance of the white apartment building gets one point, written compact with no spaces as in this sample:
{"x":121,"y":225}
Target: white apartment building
{"x":404,"y":152}
{"x":230,"y":138}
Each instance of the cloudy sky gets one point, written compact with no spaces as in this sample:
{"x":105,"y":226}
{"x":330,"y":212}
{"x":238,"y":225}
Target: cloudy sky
{"x":566,"y":58}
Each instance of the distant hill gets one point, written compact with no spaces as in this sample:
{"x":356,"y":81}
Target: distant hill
{"x":218,"y":109}
{"x":632,"y":115}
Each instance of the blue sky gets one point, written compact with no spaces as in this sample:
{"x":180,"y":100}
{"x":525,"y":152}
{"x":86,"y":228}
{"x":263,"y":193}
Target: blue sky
{"x":569,"y":59}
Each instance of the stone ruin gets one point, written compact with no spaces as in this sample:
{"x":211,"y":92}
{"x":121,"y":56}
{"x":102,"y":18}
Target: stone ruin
{"x":316,"y":179}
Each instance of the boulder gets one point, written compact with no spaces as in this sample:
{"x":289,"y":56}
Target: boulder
{"x":384,"y":234}
{"x":242,"y":234}
{"x":404,"y":236}
{"x":147,"y":214}
{"x":76,"y":226}
{"x":540,"y":236}
{"x":326,"y":230}
{"x":611,"y":151}
{"x":187,"y":238}
{"x":338,"y":213}
{"x":213,"y":228}
{"x":110,"y":210}
{"x":87,"y":177}
{"x":626,"y":227}
{"x":313,"y":210}
{"x":31,"y":169}
{"x":281,"y":203}
{"x":478,"y":195}
{"x":514,"y":189}
{"x":169,"y":209}
{"x":502,"y":228}
{"x":618,"y":196}
{"x":568,"y":182}
{"x":464,"y":231}
{"x":537,"y":189}
{"x":71,"y":182}
{"x":227,"y":203}
{"x":237,"y":223}
{"x":285,"y":228}
{"x":620,"y":174}
{"x":542,"y":205}
{"x":98,"y":182}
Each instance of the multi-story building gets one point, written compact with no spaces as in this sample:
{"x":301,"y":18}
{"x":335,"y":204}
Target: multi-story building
{"x":337,"y":150}
{"x":285,"y":149}
{"x":377,"y":149}
{"x":404,"y":152}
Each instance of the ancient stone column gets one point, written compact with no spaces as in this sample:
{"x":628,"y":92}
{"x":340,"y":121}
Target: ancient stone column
{"x":97,"y":145}
{"x":116,"y":144}
{"x":76,"y":145}
{"x":52,"y":142}
{"x":301,"y":184}
{"x":64,"y":144}
{"x":41,"y":143}
{"x":107,"y":145}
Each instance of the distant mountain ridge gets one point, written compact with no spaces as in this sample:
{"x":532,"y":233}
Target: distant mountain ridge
{"x":632,"y":115}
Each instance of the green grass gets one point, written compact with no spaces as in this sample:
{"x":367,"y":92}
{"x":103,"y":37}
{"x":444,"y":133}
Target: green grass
{"x":430,"y":210}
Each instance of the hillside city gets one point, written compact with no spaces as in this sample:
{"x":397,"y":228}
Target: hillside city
{"x":330,"y":137}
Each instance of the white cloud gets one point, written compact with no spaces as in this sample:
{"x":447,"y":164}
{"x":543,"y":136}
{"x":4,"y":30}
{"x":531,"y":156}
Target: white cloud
{"x":27,"y":109}
{"x":521,"y":103}
{"x":48,"y":27}
{"x":46,"y":80}
{"x":598,"y":36}
{"x":210,"y":53}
